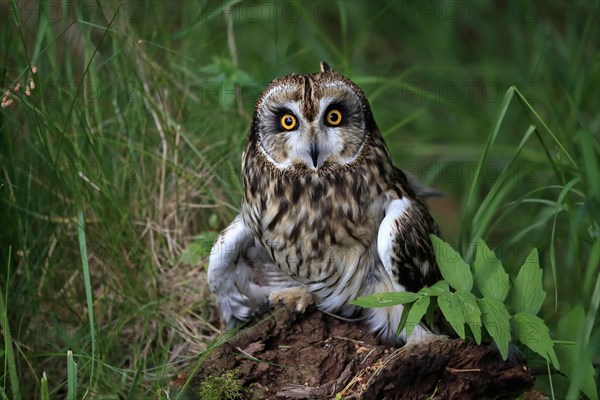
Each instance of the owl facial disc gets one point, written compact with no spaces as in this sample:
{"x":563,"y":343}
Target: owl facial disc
{"x":311,"y":123}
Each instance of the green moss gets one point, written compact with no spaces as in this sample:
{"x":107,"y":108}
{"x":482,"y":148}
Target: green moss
{"x":221,"y":386}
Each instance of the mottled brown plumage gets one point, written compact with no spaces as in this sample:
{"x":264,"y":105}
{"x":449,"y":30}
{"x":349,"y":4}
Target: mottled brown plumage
{"x":324,"y":208}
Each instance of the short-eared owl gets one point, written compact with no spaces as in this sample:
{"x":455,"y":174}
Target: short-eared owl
{"x":324,"y":209}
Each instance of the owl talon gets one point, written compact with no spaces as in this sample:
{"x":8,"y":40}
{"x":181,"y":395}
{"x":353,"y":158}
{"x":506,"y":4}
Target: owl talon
{"x":298,"y":296}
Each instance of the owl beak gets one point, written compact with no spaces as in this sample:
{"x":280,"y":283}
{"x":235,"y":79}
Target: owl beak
{"x":313,"y":152}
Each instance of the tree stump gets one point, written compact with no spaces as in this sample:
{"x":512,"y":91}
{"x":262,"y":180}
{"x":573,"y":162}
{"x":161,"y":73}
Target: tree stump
{"x":313,"y":355}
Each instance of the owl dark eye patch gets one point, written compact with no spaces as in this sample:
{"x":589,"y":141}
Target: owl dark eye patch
{"x":335,"y":114}
{"x":286,"y":120}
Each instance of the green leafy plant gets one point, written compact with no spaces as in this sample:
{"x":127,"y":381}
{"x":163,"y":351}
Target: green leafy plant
{"x":481,"y":297}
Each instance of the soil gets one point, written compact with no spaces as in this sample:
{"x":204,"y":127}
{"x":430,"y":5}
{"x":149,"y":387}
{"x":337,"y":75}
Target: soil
{"x":313,"y":355}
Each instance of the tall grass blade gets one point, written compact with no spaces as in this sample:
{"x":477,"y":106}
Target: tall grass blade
{"x":541,"y":122}
{"x":132,"y":394}
{"x":584,"y":342}
{"x":9,"y":359}
{"x":44,"y":393}
{"x":550,"y":379}
{"x":88,"y":285}
{"x":71,"y":377}
{"x":466,"y":223}
{"x":563,"y":193}
{"x":496,"y":194}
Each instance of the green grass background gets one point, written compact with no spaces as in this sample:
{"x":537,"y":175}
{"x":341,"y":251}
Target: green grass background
{"x":122,"y":163}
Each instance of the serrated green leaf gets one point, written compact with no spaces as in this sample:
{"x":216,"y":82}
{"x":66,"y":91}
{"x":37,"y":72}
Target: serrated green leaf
{"x":416,"y":313}
{"x":450,"y":306}
{"x":533,"y":333}
{"x":436,"y":289}
{"x":453,"y":268}
{"x":432,"y":314}
{"x":490,"y":278}
{"x":568,"y":354}
{"x":403,"y":318}
{"x":471,"y":312}
{"x":385,"y":299}
{"x":528,"y":294}
{"x":496,"y":321}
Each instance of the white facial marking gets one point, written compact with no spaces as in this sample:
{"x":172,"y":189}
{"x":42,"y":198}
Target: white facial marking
{"x":275,"y":90}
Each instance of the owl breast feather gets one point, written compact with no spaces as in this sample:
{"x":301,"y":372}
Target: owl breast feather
{"x":319,"y":229}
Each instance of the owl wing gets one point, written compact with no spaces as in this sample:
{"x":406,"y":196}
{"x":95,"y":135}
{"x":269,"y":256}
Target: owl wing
{"x":241,"y":274}
{"x":230,"y":274}
{"x":403,"y":242}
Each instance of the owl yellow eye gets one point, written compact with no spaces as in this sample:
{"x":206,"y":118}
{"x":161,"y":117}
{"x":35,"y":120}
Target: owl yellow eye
{"x":334,"y":117}
{"x":288,"y":122}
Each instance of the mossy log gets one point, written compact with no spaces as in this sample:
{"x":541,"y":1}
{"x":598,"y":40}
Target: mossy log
{"x":313,"y":355}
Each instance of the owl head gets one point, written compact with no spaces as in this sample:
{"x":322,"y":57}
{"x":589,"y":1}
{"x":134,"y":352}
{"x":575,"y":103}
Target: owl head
{"x":312,"y":123}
